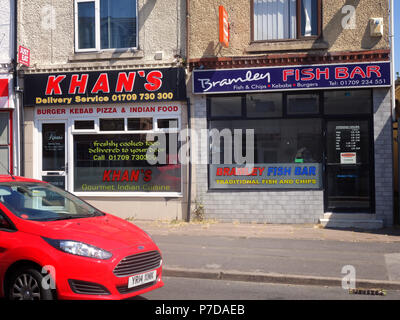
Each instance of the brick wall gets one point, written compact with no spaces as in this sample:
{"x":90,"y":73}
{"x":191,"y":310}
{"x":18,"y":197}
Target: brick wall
{"x":383,"y":155}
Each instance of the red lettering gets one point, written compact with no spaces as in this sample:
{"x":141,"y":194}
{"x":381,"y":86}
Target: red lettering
{"x":342,"y":73}
{"x":359,"y":71}
{"x":80,"y":110}
{"x":51,"y":111}
{"x":53,"y":85}
{"x":102,"y":84}
{"x":76,"y":83}
{"x":297,"y":72}
{"x":147,"y":175}
{"x":154,"y":81}
{"x":219,"y":172}
{"x":106,"y":110}
{"x":135,"y":175}
{"x":320,"y":72}
{"x":287,"y":73}
{"x":374,"y":69}
{"x":107,"y":175}
{"x":126,"y":82}
{"x":125,"y":176}
{"x":116,"y":175}
{"x":308,"y":73}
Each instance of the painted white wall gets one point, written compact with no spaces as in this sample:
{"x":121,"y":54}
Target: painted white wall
{"x":6,"y":31}
{"x":46,"y":27}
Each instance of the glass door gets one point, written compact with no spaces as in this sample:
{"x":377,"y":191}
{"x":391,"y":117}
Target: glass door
{"x":54,"y":167}
{"x":349,"y":172}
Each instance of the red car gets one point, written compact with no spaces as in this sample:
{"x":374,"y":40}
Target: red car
{"x":54,"y":245}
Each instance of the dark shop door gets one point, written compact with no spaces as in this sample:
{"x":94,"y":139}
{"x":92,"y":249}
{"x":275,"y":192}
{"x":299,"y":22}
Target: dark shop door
{"x":53,"y":154}
{"x":349,"y":173}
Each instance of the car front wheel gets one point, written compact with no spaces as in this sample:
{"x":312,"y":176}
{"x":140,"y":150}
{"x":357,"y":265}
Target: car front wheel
{"x":26,"y":284}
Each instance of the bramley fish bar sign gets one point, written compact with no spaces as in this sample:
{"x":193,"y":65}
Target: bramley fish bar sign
{"x":335,"y":76}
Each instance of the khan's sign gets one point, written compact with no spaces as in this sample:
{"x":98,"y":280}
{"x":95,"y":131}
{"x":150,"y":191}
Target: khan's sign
{"x":335,"y":76}
{"x":146,"y":85}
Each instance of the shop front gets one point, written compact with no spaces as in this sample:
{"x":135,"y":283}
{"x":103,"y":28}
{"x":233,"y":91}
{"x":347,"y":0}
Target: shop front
{"x":315,"y":136}
{"x":111,"y":137}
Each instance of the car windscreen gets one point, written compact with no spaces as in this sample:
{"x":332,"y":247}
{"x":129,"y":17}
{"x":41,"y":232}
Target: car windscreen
{"x":43,"y":202}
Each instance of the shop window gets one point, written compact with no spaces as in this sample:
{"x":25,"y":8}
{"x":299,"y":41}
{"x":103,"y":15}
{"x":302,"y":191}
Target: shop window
{"x":346,"y":102}
{"x":226,"y":106}
{"x":264,"y":105}
{"x":272,"y":145}
{"x":302,"y":104}
{"x":84,"y":125}
{"x":5,"y":144}
{"x":125,"y":163}
{"x":275,"y":141}
{"x":167,"y":123}
{"x":105,"y":24}
{"x":112,"y":124}
{"x":285,"y":19}
{"x":140,"y":124}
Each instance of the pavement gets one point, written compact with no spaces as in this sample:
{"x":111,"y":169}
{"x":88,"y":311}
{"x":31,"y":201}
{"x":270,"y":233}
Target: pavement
{"x":287,"y":254}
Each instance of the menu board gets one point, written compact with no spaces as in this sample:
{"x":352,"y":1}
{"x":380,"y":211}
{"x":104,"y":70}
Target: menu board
{"x":347,"y":143}
{"x":53,"y":146}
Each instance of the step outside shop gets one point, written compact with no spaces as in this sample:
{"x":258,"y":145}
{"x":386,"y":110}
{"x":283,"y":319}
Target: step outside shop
{"x":299,"y":118}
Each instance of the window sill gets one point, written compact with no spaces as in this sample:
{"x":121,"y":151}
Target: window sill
{"x":105,"y":55}
{"x":288,"y":45}
{"x":92,"y":195}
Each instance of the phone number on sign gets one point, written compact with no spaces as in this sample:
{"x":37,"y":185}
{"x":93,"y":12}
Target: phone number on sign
{"x":142,"y":96}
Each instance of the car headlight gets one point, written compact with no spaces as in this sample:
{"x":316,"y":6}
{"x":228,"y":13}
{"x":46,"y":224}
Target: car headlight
{"x":79,"y":249}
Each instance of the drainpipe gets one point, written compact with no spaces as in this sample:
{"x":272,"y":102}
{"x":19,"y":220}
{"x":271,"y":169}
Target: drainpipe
{"x":393,"y":99}
{"x":188,"y":106}
{"x":18,"y":98}
{"x":391,"y":38}
{"x":189,"y":188}
{"x":187,"y":28}
{"x":18,"y":108}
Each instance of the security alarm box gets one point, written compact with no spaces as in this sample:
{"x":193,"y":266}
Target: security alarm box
{"x":376,"y":27}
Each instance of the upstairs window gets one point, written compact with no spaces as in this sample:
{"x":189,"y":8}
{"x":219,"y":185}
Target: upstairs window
{"x":105,"y":24}
{"x":286,"y":19}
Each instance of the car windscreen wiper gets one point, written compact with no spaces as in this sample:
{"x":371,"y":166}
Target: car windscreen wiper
{"x":70,"y":217}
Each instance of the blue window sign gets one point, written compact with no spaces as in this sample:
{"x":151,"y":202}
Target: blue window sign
{"x":331,"y":76}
